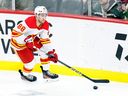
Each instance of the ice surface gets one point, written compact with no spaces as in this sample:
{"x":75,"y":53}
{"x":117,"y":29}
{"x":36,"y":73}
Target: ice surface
{"x":12,"y":85}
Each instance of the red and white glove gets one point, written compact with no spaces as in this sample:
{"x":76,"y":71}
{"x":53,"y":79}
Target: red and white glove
{"x":29,"y":42}
{"x":52,"y":56}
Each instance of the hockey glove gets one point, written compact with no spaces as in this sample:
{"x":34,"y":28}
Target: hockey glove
{"x":29,"y":42}
{"x":53,"y":56}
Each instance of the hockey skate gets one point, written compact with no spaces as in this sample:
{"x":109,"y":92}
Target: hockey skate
{"x":48,"y":76}
{"x":29,"y":77}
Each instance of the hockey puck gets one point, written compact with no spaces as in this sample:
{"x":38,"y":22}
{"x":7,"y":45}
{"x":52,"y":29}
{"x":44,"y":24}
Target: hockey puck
{"x":95,"y":87}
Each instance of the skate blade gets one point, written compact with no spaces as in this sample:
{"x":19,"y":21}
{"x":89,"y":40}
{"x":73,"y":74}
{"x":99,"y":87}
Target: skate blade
{"x":48,"y":80}
{"x":24,"y":79}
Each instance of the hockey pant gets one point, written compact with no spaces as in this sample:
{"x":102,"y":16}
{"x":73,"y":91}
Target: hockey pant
{"x":27,"y":57}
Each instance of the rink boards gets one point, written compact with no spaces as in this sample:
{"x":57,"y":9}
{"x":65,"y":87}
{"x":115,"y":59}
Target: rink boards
{"x":96,"y":46}
{"x":62,"y":70}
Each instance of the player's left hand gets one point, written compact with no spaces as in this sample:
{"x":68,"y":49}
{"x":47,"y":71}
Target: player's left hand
{"x":53,"y":56}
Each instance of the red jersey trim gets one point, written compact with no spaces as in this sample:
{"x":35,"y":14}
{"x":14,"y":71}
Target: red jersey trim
{"x":31,"y":23}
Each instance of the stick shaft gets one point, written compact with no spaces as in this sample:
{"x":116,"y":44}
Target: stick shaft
{"x":80,"y":73}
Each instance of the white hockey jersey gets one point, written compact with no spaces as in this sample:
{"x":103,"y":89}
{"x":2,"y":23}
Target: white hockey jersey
{"x":29,"y":28}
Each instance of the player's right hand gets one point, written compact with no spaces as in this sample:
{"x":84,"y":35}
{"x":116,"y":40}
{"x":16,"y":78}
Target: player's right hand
{"x":29,"y":42}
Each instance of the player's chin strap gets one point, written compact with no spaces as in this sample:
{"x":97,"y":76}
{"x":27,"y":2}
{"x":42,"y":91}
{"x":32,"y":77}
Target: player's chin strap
{"x":80,"y":73}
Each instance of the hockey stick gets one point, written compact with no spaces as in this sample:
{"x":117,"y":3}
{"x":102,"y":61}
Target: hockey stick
{"x":80,"y":73}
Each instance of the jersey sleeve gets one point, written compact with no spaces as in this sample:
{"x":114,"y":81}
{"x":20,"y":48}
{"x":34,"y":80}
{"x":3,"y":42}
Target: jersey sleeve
{"x":18,"y":35}
{"x":19,"y":30}
{"x":44,"y":34}
{"x":44,"y":37}
{"x":45,"y":40}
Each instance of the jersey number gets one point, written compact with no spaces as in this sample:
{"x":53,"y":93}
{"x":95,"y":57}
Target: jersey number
{"x":21,"y":27}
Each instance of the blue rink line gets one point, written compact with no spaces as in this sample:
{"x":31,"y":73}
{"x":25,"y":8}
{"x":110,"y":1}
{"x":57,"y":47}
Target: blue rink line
{"x":12,"y":85}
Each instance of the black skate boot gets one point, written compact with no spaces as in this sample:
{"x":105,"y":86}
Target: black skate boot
{"x":48,"y":75}
{"x":30,"y":78}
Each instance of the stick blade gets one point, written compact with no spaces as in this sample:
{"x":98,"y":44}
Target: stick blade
{"x":101,"y":81}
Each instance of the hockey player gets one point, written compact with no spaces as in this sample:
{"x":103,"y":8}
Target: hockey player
{"x":30,"y":35}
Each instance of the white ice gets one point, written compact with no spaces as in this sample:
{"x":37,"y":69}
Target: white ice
{"x":12,"y":85}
